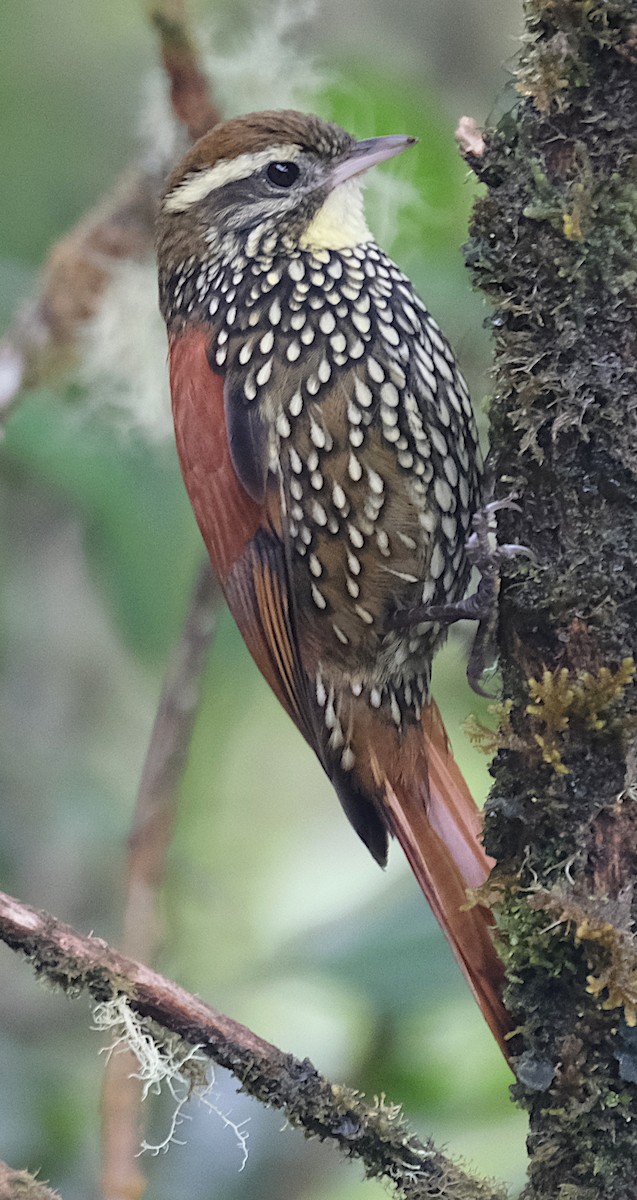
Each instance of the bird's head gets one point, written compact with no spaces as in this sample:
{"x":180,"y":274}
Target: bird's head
{"x":269,"y":182}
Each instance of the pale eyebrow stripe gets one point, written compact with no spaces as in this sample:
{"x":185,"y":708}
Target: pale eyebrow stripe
{"x":196,"y":187}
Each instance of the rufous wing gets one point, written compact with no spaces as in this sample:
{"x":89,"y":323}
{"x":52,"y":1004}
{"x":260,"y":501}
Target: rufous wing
{"x":222,"y":455}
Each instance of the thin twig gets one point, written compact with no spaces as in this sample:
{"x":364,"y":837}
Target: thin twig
{"x":373,"y":1133}
{"x":43,"y":341}
{"x":154,"y":816}
{"x":165,"y":760}
{"x":189,"y":86}
{"x":149,"y":839}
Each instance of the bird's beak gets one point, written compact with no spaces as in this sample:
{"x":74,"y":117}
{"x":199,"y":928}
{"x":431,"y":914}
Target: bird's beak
{"x":364,"y":155}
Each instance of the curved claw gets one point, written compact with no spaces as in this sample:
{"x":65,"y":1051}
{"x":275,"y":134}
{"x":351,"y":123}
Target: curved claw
{"x":476,"y":686}
{"x":494,"y":506}
{"x":512,"y":549}
{"x":485,"y":554}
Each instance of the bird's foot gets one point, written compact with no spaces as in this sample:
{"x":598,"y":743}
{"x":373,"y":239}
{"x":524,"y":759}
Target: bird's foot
{"x":487,"y":556}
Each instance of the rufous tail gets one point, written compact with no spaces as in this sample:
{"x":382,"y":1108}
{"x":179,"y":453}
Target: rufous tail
{"x":437,"y":823}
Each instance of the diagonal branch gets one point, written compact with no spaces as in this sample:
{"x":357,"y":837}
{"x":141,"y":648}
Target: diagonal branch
{"x":150,"y":835}
{"x":43,"y":340}
{"x":373,"y":1133}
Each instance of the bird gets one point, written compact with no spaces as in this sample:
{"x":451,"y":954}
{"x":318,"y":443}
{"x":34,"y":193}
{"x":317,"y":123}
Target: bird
{"x":328,"y":446}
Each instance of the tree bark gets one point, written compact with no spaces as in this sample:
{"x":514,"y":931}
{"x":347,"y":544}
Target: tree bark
{"x":554,"y":247}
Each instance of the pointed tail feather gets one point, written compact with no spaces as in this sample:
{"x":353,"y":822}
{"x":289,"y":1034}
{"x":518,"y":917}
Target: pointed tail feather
{"x":435,"y":819}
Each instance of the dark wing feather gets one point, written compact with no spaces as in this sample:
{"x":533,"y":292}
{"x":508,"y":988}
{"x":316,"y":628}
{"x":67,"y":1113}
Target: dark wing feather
{"x":248,"y":444}
{"x":258,"y":596}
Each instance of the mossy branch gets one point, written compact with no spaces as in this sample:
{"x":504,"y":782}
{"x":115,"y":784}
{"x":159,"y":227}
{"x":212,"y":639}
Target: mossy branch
{"x":376,"y":1134}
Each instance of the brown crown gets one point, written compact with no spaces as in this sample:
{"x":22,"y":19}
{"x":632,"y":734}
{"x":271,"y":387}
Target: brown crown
{"x":257,"y":131}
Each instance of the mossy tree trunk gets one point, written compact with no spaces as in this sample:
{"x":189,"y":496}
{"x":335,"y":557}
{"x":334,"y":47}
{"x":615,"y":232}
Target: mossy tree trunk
{"x":554,"y":247}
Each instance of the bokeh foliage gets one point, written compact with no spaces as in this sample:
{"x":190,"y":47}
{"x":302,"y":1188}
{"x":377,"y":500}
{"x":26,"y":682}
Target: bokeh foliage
{"x":273,"y":910}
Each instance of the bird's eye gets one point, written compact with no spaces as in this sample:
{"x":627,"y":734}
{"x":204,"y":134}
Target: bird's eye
{"x":283,"y":174}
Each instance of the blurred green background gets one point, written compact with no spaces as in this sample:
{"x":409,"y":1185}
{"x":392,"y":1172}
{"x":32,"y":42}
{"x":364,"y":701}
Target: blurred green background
{"x":273,"y":910}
